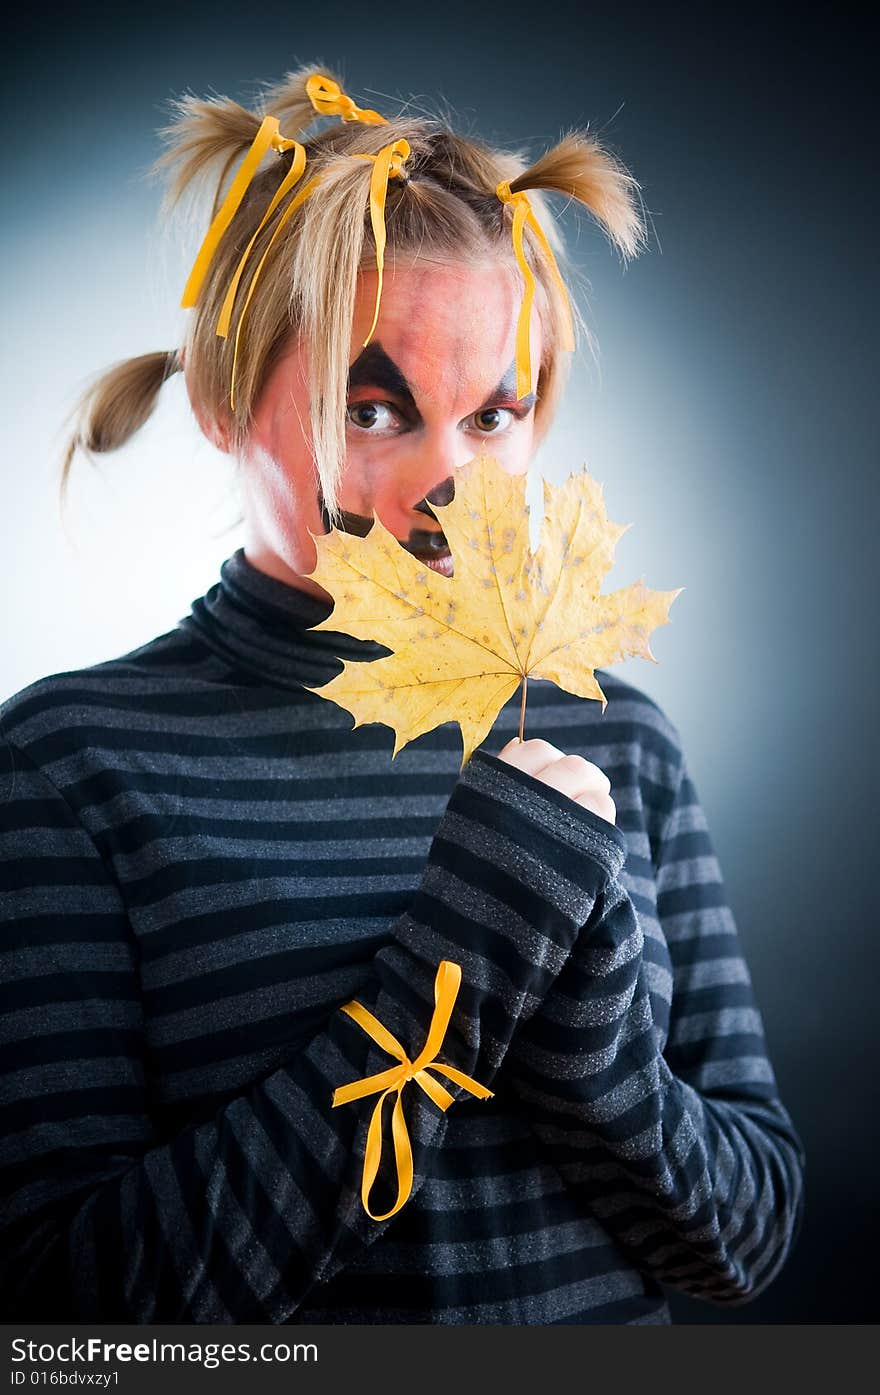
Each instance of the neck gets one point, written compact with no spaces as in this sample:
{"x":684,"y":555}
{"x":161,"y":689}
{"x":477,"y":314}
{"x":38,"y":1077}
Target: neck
{"x":263,"y":624}
{"x":263,"y":559}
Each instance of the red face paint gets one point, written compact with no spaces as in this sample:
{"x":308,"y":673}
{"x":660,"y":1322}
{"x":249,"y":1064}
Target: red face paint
{"x":435,"y":385}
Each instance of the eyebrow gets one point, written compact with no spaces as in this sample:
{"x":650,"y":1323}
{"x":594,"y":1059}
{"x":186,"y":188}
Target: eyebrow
{"x":374,"y":368}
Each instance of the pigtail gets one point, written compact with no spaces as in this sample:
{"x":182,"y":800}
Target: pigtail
{"x":580,"y":167}
{"x":202,"y":132}
{"x":290,"y":102}
{"x":201,"y":135}
{"x":116,"y":405}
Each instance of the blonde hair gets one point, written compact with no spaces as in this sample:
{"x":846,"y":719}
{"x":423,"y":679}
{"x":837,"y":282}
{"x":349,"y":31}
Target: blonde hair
{"x":446,"y":211}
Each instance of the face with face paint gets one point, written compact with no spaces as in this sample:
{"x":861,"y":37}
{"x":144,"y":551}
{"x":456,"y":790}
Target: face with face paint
{"x":435,"y":385}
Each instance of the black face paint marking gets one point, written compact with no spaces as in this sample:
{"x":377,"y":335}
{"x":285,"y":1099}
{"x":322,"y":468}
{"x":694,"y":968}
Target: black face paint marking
{"x":374,"y":368}
{"x":350,"y":522}
{"x":420,"y":539}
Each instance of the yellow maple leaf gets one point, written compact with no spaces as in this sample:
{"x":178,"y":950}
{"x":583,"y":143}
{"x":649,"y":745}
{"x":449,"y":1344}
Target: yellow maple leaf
{"x":463,"y":644}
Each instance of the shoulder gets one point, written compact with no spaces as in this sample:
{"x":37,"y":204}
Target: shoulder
{"x":80,"y":699}
{"x":634,"y":740}
{"x":650,"y":725}
{"x":652,"y":743}
{"x":632,"y":721}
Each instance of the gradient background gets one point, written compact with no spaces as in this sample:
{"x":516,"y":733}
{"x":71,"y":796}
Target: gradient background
{"x":732,"y":421}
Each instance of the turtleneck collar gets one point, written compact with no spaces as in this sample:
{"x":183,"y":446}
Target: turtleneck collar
{"x":261,"y":624}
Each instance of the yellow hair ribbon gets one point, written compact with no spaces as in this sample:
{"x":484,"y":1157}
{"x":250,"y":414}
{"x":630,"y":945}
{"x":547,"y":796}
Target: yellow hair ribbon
{"x":446,"y":987}
{"x":328,"y":98}
{"x":297,"y":166}
{"x":387,"y":164}
{"x":267,"y":136}
{"x":522,"y":214}
{"x":294,"y":204}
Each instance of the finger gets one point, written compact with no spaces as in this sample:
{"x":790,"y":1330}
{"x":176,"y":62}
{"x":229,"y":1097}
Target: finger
{"x":531,"y":755}
{"x":574,"y":776}
{"x":592,"y":776}
{"x":601,"y":804}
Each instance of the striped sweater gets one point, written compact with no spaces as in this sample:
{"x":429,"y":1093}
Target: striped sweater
{"x":201,"y":861}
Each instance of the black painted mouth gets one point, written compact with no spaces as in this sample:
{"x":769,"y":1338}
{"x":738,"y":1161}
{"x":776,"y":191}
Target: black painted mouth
{"x":426,"y":547}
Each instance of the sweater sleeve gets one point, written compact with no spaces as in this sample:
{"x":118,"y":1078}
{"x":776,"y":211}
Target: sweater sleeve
{"x":681,"y":1146}
{"x":234,"y":1219}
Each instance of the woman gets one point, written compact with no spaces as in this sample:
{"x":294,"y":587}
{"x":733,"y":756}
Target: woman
{"x":204,"y":862}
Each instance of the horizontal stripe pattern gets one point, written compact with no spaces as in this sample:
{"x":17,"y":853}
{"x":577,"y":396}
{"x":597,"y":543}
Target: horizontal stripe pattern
{"x":200,"y":862}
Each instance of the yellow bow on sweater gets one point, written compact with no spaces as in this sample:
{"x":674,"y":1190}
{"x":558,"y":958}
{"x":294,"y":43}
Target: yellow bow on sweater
{"x":446,"y":987}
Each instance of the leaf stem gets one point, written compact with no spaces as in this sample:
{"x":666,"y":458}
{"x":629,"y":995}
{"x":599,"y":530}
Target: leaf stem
{"x":522,"y":708}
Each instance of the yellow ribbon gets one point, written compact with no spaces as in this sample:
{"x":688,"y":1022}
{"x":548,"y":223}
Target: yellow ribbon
{"x":223,"y":322}
{"x":522,"y":214}
{"x":328,"y":98}
{"x":446,"y":987}
{"x":267,"y":136}
{"x":386,"y":165}
{"x":293,"y":175}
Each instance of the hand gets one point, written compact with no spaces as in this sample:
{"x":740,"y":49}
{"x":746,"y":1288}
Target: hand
{"x":582,"y":781}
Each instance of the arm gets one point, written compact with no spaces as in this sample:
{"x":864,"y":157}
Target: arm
{"x":235,"y":1219}
{"x":681,"y":1148}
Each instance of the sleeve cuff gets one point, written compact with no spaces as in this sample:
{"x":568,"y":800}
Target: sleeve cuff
{"x":574,"y":824}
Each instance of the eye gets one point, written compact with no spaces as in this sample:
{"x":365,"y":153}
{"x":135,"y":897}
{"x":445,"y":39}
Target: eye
{"x":368,"y":416}
{"x":488,"y":420}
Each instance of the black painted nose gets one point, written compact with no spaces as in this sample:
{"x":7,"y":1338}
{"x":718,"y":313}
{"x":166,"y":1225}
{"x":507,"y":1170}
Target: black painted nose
{"x":443,"y":494}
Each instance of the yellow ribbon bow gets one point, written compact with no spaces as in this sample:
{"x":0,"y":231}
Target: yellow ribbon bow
{"x":522,"y":214}
{"x":290,"y":179}
{"x":328,"y":98}
{"x":446,"y":987}
{"x":268,"y":136}
{"x":386,"y":165}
